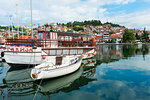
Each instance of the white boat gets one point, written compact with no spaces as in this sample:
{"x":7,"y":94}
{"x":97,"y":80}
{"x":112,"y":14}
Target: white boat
{"x":63,"y":65}
{"x":89,"y":54}
{"x":27,"y":52}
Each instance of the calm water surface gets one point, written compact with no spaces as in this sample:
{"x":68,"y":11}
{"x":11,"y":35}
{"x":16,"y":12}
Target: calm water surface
{"x":118,"y":72}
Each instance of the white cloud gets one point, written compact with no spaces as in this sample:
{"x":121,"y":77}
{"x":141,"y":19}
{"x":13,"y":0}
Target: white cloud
{"x":71,"y":10}
{"x":139,"y":19}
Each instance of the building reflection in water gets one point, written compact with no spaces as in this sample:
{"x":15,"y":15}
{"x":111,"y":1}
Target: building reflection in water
{"x":110,"y":53}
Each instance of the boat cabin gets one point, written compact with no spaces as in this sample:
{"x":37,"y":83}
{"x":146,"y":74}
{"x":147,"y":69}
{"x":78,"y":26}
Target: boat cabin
{"x":47,"y":39}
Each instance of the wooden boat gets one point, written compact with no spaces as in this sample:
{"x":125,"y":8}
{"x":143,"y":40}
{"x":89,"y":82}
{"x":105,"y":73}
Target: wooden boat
{"x":63,"y":65}
{"x":30,"y":52}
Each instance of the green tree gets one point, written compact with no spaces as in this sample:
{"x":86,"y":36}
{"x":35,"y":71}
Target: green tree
{"x":77,"y":28}
{"x":137,"y":36}
{"x":69,"y":24}
{"x":113,"y":25}
{"x":129,"y":36}
{"x":145,"y":37}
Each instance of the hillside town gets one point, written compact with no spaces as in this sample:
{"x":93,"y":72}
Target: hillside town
{"x":104,"y":33}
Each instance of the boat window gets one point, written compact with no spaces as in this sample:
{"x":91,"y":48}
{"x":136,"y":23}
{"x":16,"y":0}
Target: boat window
{"x":40,"y":36}
{"x":73,"y":51}
{"x":51,"y":35}
{"x":47,"y":35}
{"x":86,"y":50}
{"x":65,"y":52}
{"x":80,"y":51}
{"x":59,"y":52}
{"x":52,"y":52}
{"x":54,"y":35}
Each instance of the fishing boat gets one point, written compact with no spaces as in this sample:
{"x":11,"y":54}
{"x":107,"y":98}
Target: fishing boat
{"x":47,"y":45}
{"x":31,"y":52}
{"x":62,"y":65}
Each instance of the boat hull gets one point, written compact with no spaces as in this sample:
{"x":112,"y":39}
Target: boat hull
{"x":31,"y":57}
{"x":56,"y":72}
{"x":22,"y":59}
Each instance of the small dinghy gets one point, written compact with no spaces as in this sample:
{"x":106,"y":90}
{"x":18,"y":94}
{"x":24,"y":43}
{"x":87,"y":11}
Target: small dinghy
{"x":89,"y":54}
{"x":63,"y":65}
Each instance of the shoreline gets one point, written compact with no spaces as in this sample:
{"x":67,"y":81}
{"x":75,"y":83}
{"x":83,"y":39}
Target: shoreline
{"x":121,"y":43}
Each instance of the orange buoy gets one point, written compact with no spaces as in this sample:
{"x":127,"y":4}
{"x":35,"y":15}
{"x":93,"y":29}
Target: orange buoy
{"x":89,"y":54}
{"x":94,"y":53}
{"x":43,"y":57}
{"x":89,"y":62}
{"x":93,"y":62}
{"x":34,"y":75}
{"x":82,"y":65}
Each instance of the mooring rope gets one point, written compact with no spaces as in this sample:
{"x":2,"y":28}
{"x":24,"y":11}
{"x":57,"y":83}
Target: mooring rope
{"x":37,"y":89}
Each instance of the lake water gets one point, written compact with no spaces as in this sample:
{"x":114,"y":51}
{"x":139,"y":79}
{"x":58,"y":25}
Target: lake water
{"x":118,"y":72}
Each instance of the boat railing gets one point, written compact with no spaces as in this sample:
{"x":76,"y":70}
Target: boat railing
{"x":48,"y":43}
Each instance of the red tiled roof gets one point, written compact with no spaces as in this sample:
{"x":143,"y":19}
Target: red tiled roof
{"x":99,"y":35}
{"x":114,"y":36}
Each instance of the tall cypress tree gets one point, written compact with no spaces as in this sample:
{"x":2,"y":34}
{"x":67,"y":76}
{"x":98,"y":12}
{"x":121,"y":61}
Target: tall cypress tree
{"x":145,"y":37}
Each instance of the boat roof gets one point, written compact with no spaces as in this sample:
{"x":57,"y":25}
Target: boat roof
{"x":67,"y":33}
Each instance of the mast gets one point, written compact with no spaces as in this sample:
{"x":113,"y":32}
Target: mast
{"x":31,"y":18}
{"x":22,"y":24}
{"x":17,"y":20}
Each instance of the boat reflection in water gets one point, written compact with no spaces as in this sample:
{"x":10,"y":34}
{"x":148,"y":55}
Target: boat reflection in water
{"x":57,"y":84}
{"x":18,"y":75}
{"x":19,"y":84}
{"x":89,"y":66}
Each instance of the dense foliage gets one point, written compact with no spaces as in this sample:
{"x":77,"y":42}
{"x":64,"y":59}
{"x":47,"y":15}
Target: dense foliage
{"x":113,"y":25}
{"x":129,"y":36}
{"x":78,"y":28}
{"x":90,"y":22}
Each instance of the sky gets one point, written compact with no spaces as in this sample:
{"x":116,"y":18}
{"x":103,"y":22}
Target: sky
{"x":129,"y":13}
